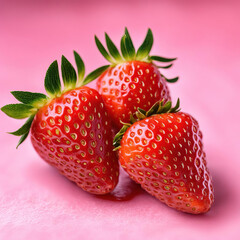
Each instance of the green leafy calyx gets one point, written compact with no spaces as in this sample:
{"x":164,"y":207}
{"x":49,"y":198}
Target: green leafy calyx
{"x":69,"y":75}
{"x":30,"y":102}
{"x":128,"y":53}
{"x":158,"y":108}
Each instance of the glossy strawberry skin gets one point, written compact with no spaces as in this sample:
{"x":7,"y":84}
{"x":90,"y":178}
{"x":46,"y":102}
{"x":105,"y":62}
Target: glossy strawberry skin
{"x":164,"y":153}
{"x":73,"y":134}
{"x":130,"y":85}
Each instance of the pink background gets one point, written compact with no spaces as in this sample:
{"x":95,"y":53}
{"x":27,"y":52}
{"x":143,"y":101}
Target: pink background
{"x":35,"y":201}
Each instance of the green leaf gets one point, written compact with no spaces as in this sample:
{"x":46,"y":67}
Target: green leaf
{"x":25,"y":128}
{"x":113,"y":49}
{"x":80,"y":66}
{"x":95,"y":74}
{"x":176,"y":108}
{"x":22,"y":139}
{"x":129,"y":45}
{"x":153,"y":109}
{"x":141,"y":111}
{"x":102,"y":50}
{"x":162,"y":59}
{"x":118,"y":137}
{"x":165,"y":108}
{"x":165,"y":67}
{"x":68,"y":74}
{"x":52,"y":80}
{"x":29,"y":97}
{"x":123,"y":48}
{"x":117,"y":148}
{"x":141,"y":114}
{"x":132,"y":119}
{"x":146,"y":46}
{"x":170,"y":80}
{"x":159,"y":110}
{"x":124,"y":123}
{"x":18,"y":111}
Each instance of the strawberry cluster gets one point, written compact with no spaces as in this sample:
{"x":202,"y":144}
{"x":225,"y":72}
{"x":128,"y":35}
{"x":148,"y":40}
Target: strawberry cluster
{"x":72,"y":127}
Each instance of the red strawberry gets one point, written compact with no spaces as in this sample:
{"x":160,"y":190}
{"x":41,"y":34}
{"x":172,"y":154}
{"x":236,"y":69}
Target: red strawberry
{"x":132,"y":80}
{"x":164,"y":153}
{"x":70,"y":129}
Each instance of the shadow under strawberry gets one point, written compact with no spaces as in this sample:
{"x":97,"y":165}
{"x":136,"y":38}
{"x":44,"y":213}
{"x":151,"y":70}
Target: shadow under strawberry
{"x":126,"y":190}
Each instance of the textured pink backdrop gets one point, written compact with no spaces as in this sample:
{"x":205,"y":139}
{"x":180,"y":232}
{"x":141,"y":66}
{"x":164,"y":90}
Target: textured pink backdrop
{"x":38,"y":203}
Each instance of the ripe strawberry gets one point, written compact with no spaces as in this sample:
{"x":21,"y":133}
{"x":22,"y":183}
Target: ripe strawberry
{"x":132,"y":80}
{"x":164,"y":153}
{"x":70,"y":129}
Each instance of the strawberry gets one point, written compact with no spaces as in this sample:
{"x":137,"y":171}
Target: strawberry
{"x":70,"y":129}
{"x":132,"y":80}
{"x":163,"y":152}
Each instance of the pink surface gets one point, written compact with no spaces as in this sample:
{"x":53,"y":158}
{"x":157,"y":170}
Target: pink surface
{"x":38,"y":203}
